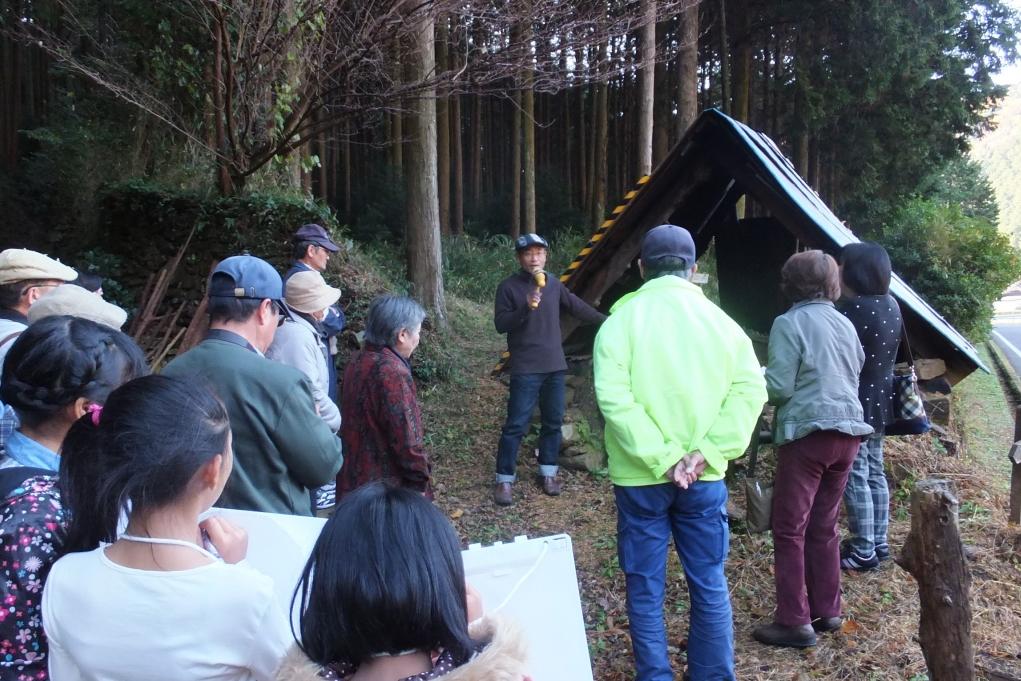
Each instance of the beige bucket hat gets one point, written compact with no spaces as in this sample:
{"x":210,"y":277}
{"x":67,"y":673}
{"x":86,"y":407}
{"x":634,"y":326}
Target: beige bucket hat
{"x":77,"y":302}
{"x":308,"y":292}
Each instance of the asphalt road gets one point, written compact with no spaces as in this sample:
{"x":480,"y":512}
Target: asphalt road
{"x":1007,"y":335}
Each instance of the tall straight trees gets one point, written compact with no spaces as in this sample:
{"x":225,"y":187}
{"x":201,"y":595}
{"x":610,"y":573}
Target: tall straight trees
{"x":646,"y":99}
{"x":424,"y":255}
{"x":687,"y":69}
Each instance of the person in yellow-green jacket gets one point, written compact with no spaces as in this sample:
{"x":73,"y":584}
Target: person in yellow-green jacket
{"x":681,"y":390}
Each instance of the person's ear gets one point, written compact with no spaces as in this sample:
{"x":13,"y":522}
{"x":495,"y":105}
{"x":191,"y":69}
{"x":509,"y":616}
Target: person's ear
{"x":211,"y":471}
{"x":79,"y":408}
{"x":267,"y":313}
{"x":641,"y":269}
{"x":694,"y":268}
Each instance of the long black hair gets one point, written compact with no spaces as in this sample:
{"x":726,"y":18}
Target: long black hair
{"x":57,"y":360}
{"x":385,"y":576}
{"x":151,"y":437}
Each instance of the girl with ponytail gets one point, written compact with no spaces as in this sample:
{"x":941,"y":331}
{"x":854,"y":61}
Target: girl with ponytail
{"x":58,"y":370}
{"x":154,"y":602}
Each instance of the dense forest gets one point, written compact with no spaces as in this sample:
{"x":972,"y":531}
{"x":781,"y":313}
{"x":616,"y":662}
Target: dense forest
{"x":413,"y":120}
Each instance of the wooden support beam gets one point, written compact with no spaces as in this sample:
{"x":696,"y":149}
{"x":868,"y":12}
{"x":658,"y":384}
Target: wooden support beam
{"x":934,"y":556}
{"x":1014,"y":517}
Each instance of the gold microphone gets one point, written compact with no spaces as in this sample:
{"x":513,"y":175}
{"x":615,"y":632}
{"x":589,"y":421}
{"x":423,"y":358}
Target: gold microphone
{"x":540,"y":281}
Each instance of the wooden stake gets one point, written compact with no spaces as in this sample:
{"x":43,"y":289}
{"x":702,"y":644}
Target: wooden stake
{"x":934,"y":556}
{"x":1015,"y":474}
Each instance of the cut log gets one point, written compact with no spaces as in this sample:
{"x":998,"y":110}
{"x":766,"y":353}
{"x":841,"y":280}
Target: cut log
{"x":927,"y":369}
{"x":934,"y":556}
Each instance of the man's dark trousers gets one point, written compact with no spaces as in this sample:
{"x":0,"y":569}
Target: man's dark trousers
{"x":525,"y":390}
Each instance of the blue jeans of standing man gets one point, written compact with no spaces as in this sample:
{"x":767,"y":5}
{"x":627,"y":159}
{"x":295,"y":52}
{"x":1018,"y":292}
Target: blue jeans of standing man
{"x":525,"y":391}
{"x":647,"y":517}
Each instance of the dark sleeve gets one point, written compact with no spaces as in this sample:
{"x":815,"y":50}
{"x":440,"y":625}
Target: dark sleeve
{"x":509,"y":314}
{"x":578,"y":308}
{"x":334,"y":321}
{"x":403,"y":425}
{"x":308,"y":447}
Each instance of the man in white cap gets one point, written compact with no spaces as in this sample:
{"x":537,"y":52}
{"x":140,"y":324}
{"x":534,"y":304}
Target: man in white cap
{"x":76,"y":301}
{"x":25,"y":277}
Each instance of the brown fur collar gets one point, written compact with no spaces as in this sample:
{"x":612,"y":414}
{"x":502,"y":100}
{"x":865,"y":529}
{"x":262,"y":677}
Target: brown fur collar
{"x":502,"y":660}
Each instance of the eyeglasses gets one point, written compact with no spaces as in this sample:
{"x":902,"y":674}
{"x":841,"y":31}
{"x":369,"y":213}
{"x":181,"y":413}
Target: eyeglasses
{"x":282,"y":314}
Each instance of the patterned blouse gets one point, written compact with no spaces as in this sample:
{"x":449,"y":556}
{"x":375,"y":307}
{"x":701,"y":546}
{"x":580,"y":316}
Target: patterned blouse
{"x":381,"y":424}
{"x":31,"y":533}
{"x":341,"y":671}
{"x":877,"y":319}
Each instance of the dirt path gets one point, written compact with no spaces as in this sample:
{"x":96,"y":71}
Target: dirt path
{"x":463,"y":420}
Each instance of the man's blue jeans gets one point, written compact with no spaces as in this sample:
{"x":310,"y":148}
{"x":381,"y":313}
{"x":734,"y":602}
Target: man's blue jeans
{"x":697,"y":518}
{"x":525,"y":391}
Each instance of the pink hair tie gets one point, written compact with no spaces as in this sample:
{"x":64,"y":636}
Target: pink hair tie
{"x":95,"y":410}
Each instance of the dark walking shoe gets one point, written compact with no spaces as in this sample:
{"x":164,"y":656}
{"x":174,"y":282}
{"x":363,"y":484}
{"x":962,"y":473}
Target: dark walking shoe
{"x":824,"y":624}
{"x":883,"y":552}
{"x":785,"y":637}
{"x":550,"y":485}
{"x":854,"y":561}
{"x":502,"y":494}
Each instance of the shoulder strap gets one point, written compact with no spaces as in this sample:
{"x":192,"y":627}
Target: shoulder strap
{"x":906,"y":342}
{"x":10,"y":478}
{"x":10,"y":337}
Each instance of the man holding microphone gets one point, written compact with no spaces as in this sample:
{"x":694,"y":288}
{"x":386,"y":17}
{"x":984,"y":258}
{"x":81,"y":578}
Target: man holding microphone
{"x":528,"y":307}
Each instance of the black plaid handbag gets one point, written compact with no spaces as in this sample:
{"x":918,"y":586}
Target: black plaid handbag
{"x":908,"y":409}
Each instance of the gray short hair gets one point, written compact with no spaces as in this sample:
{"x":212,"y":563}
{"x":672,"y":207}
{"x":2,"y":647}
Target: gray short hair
{"x":667,"y":266}
{"x":389,"y":314}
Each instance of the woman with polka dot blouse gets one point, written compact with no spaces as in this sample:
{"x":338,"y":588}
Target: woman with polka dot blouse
{"x":867,"y":303}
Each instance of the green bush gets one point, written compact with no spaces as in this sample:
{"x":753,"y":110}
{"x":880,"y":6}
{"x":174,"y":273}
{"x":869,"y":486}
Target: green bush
{"x":959,"y":263}
{"x":143,"y":225}
{"x":474,"y":267}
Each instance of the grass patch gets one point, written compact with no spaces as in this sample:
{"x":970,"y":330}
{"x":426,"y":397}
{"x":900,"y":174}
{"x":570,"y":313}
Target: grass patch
{"x":985,"y":422}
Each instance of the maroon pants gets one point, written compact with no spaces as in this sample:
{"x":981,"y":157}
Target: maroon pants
{"x":810,"y":476}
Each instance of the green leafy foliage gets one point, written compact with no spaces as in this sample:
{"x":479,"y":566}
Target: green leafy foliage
{"x":144,"y":224}
{"x":474,"y":267}
{"x":959,"y":263}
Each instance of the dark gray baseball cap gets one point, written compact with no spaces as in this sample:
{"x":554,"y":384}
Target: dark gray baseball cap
{"x":668,"y":241}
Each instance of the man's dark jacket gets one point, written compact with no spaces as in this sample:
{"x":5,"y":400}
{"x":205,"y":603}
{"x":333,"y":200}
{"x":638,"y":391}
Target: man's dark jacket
{"x":282,"y":449}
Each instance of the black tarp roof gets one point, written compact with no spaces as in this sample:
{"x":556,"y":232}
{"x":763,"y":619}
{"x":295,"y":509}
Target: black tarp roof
{"x":697,"y":185}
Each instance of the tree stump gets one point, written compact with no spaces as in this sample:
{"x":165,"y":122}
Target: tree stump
{"x":934,"y":556}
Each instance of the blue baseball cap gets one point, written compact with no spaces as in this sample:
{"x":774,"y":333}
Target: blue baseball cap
{"x":528,"y":240}
{"x":668,"y":241}
{"x":252,"y":278}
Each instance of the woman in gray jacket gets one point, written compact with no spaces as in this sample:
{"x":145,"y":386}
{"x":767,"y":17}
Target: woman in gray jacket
{"x":812,"y":378}
{"x":301,"y":343}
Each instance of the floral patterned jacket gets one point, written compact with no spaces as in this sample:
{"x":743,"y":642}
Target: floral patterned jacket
{"x":381,"y":424}
{"x":31,"y":533}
